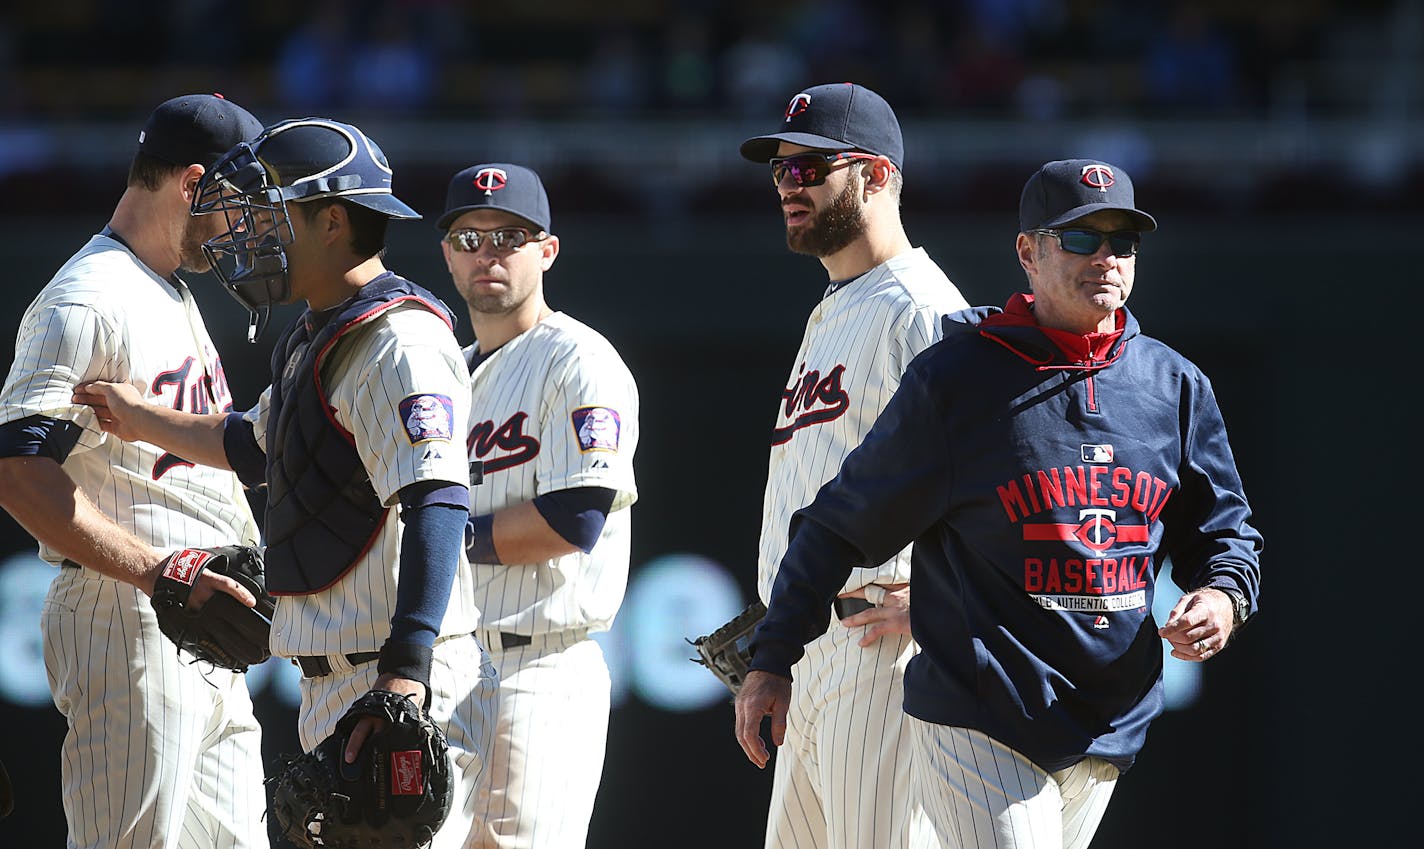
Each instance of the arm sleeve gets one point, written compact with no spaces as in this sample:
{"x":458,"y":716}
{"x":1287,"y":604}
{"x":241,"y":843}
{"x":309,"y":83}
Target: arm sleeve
{"x":1209,"y":535}
{"x":890,"y":489}
{"x":429,"y":556}
{"x":58,"y":346}
{"x":39,"y":436}
{"x":589,"y":431}
{"x":243,"y":452}
{"x":577,"y":514}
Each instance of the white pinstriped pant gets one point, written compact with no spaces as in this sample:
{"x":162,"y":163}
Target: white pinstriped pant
{"x":842,"y":776}
{"x":547,"y":759}
{"x":978,"y":793}
{"x":161,"y":752}
{"x":464,"y":691}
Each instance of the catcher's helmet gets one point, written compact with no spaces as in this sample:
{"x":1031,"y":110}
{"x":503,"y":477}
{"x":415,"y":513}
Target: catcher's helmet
{"x":290,"y":162}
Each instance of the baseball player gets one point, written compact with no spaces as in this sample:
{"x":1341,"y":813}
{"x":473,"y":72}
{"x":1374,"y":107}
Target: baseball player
{"x":555,"y":426}
{"x":357,"y":440}
{"x":842,"y":773}
{"x":158,"y":751}
{"x":1044,"y":459}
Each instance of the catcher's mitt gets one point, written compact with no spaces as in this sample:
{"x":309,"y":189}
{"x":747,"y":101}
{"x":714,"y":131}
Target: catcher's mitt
{"x":727,"y":651}
{"x":397,"y":794}
{"x":224,"y":631}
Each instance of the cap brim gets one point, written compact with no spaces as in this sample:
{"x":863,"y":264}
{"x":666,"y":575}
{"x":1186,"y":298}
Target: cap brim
{"x":444,"y":221}
{"x":385,"y":204}
{"x":763,"y":148}
{"x":1144,"y":221}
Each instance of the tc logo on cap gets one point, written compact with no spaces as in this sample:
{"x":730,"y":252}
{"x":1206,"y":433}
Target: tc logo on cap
{"x":800,"y":103}
{"x":491,"y":180}
{"x":1098,"y":177}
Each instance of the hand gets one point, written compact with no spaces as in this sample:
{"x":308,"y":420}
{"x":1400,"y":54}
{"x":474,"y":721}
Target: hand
{"x":891,"y":615}
{"x":368,"y":725}
{"x":1199,"y":626}
{"x":208,"y":583}
{"x":762,"y":694}
{"x":119,"y":407}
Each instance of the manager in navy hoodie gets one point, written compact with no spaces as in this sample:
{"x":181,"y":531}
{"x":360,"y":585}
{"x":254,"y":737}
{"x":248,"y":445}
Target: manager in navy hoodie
{"x":1045,"y":459}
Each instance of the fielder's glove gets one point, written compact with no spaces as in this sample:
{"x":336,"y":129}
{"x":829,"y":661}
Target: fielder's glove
{"x":224,"y":631}
{"x":727,"y":650}
{"x":396,"y":794}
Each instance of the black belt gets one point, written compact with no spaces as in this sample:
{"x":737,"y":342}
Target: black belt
{"x":70,"y":563}
{"x":315,"y":666}
{"x":850,"y":606}
{"x":513,"y":641}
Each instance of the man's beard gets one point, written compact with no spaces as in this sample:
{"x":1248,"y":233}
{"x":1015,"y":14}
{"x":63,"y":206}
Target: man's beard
{"x":190,"y":250}
{"x":831,"y":229}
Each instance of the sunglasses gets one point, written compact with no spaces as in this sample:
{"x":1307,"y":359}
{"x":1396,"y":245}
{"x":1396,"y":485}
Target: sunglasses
{"x":811,"y":169}
{"x":1123,"y":243}
{"x":469,"y":239}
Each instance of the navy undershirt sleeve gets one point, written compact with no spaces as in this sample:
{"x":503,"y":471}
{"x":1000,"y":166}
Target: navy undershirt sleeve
{"x":577,"y":514}
{"x":430,"y":546}
{"x":243,"y":453}
{"x":39,"y":436}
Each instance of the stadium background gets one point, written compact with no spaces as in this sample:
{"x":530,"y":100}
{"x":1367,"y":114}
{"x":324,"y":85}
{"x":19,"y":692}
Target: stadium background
{"x":1280,"y":144}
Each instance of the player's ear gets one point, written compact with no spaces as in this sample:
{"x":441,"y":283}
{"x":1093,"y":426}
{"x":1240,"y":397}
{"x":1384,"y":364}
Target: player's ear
{"x":548,"y":252}
{"x":188,"y":180}
{"x":876,"y":174}
{"x":1026,"y":246}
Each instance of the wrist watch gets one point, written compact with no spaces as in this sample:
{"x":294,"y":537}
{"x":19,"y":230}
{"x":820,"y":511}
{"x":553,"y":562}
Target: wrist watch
{"x":1239,"y":607}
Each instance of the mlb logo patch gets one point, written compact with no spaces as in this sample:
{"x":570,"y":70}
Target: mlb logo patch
{"x":597,"y":428}
{"x":185,"y":565}
{"x":427,"y":417}
{"x":1097,"y":453}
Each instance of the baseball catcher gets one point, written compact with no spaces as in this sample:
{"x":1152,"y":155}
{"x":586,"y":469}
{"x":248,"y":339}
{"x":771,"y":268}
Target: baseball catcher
{"x":396,"y":794}
{"x":224,"y":631}
{"x":726,"y":651}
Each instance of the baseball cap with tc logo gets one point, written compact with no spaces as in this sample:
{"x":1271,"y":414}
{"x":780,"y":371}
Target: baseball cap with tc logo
{"x":1069,"y":189}
{"x":835,"y":116}
{"x":497,"y":185}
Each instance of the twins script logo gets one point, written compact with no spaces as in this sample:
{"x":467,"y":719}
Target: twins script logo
{"x":194,"y":391}
{"x":491,"y":180}
{"x":406,"y":779}
{"x":510,"y":436}
{"x":812,"y":400}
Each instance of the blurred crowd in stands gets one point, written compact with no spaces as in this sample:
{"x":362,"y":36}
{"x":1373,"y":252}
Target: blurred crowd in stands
{"x":1032,"y":58}
{"x":1259,"y":104}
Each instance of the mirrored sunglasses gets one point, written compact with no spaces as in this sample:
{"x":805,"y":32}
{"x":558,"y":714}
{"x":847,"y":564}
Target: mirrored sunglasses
{"x":811,"y":169}
{"x":1123,"y":243}
{"x":468,"y":239}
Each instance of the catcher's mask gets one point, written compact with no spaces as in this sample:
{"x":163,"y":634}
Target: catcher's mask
{"x":290,"y":162}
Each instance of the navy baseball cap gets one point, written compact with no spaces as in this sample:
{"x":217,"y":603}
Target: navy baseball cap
{"x":196,"y":128}
{"x":836,"y":116}
{"x":497,"y":185}
{"x":1068,"y":189}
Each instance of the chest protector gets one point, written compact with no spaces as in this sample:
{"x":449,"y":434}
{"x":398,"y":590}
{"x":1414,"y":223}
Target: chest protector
{"x":322,"y":512}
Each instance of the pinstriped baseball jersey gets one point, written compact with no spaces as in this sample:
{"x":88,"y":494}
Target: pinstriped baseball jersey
{"x":400,"y":387}
{"x":555,"y":408}
{"x":858,"y":341}
{"x":190,"y":773}
{"x":106,"y":316}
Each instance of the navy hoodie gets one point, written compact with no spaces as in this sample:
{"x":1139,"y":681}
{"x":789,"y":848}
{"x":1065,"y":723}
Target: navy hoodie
{"x":1043,"y":496}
